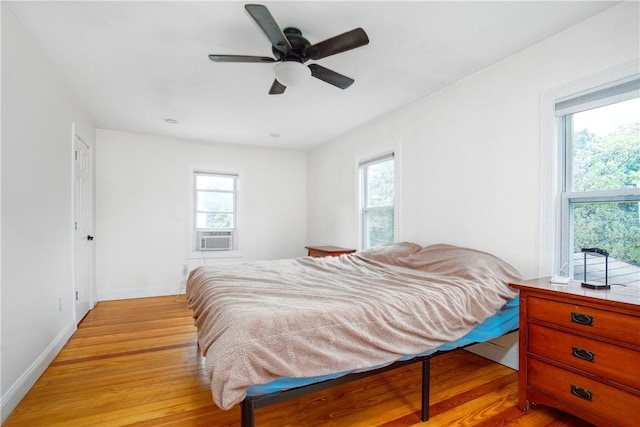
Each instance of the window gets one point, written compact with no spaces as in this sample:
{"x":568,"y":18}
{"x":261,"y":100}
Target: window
{"x":600,"y":200}
{"x":215,"y":211}
{"x":377,"y":200}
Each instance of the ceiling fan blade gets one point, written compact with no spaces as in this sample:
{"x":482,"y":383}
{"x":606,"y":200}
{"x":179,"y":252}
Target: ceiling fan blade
{"x":277,"y":88}
{"x":331,"y":77}
{"x":240,"y":58}
{"x":269,"y":26}
{"x":345,"y":41}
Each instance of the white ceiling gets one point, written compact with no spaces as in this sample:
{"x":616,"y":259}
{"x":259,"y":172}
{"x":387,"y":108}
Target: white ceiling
{"x":133,"y":64}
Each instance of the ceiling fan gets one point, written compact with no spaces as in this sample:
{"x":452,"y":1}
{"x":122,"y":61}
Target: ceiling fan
{"x":292,"y":50}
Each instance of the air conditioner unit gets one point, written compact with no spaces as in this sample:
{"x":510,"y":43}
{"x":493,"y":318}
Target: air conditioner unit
{"x":214,"y":240}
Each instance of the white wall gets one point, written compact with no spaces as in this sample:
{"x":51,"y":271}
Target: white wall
{"x":142,"y":186}
{"x":37,"y":263}
{"x":469,"y":154}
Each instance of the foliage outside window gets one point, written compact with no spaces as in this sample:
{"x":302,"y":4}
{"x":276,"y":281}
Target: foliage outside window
{"x":215,"y":200}
{"x":601,"y":199}
{"x":377,"y":193}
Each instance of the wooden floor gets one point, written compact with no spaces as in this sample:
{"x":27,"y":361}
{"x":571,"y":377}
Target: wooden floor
{"x":136,"y":363}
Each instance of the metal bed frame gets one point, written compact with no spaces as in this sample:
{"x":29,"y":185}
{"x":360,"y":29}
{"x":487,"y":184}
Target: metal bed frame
{"x":251,"y":403}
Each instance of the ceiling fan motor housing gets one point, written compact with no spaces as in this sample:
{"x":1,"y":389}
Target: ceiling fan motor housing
{"x":298,"y":46}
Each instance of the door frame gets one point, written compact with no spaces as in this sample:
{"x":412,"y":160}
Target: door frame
{"x":76,"y":135}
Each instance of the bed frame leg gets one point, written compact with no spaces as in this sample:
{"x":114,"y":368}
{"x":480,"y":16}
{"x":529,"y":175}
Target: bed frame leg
{"x":247,"y":417}
{"x":426,"y":370}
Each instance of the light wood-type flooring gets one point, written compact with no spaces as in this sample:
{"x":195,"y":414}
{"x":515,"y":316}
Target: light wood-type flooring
{"x":136,"y":363}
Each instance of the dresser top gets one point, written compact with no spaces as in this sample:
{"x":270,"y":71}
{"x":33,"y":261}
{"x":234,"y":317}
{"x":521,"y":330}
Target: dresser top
{"x":623,"y":294}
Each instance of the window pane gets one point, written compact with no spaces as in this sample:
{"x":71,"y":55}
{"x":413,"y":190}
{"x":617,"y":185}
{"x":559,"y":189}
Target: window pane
{"x":213,"y":182}
{"x":614,"y":227}
{"x":606,"y":147}
{"x":378,"y":227}
{"x":214,"y":220}
{"x":209,"y":201}
{"x":380,"y":184}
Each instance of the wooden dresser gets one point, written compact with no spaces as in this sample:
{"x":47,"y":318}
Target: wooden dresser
{"x":580,"y":350}
{"x":320,"y":251}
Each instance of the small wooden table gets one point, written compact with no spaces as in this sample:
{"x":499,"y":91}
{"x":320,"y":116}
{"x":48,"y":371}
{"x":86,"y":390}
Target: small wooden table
{"x":320,"y":251}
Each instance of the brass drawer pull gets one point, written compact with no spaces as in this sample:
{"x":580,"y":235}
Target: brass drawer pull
{"x":582,"y":393}
{"x":582,"y":319}
{"x":583,"y":354}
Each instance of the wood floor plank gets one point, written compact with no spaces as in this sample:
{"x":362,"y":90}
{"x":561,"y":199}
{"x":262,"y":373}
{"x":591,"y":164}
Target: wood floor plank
{"x":136,"y":363}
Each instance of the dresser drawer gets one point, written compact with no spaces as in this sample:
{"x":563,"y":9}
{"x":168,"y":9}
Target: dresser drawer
{"x":603,"y":323}
{"x":616,"y":363}
{"x":584,"y":394}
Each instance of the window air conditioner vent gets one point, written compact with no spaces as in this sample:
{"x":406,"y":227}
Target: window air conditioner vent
{"x":214,"y":240}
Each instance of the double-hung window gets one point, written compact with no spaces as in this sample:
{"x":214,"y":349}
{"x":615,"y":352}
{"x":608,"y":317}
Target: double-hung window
{"x":600,"y":194}
{"x":215,"y":211}
{"x":377,"y":200}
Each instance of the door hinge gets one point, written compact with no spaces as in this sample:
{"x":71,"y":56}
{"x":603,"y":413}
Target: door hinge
{"x":77,"y":296}
{"x":76,"y":154}
{"x":75,"y":225}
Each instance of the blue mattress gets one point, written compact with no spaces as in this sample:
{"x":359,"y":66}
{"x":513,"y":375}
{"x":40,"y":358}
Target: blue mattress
{"x":505,"y":320}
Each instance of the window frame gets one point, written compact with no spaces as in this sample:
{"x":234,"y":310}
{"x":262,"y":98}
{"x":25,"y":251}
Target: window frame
{"x":362,"y":192}
{"x":196,"y":191}
{"x":192,"y":229}
{"x":551,"y":156}
{"x":610,"y":93}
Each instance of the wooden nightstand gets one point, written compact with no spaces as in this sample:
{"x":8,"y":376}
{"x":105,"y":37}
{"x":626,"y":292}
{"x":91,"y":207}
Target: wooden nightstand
{"x":320,"y":251}
{"x":580,"y":350}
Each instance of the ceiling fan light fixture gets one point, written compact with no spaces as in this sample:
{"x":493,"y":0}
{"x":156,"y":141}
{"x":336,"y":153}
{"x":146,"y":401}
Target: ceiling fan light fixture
{"x":291,"y":73}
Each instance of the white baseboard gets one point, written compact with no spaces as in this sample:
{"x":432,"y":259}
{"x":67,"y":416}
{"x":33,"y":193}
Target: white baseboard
{"x":111,"y":295}
{"x":503,"y":350}
{"x":19,"y":389}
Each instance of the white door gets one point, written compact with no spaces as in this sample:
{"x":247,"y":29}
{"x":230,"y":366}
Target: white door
{"x":83,"y":227}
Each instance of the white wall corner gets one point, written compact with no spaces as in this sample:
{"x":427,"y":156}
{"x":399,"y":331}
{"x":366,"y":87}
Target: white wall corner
{"x":19,"y":389}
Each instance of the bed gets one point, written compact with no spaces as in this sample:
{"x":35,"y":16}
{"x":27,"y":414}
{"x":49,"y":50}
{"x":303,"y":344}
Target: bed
{"x":267,"y":328}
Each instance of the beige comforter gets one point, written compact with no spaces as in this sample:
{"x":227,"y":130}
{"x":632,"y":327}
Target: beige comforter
{"x":258,"y":321}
